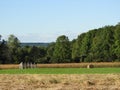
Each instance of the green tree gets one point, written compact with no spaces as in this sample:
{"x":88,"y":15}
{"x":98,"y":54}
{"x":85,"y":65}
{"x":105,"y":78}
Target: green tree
{"x":4,"y":53}
{"x":50,"y":51}
{"x":76,"y":48}
{"x":62,"y":52}
{"x":117,"y":42}
{"x":38,"y":54}
{"x":107,"y":42}
{"x":13,"y":44}
{"x":101,"y":49}
{"x":0,"y":37}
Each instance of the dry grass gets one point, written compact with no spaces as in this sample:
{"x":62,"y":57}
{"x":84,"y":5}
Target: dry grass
{"x":60,"y":82}
{"x":80,"y":65}
{"x":9,"y":66}
{"x":66,"y":65}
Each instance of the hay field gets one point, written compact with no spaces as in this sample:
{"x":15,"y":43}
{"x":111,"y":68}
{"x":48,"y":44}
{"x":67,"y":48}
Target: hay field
{"x":60,"y":82}
{"x":80,"y":65}
{"x":66,"y":65}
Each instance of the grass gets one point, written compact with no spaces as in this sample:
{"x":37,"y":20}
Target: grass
{"x":62,"y":71}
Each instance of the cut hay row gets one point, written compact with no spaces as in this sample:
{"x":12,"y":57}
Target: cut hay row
{"x":9,"y":66}
{"x":65,"y":65}
{"x":80,"y":65}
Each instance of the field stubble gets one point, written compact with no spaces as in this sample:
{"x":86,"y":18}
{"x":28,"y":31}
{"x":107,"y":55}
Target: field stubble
{"x":66,"y":65}
{"x":60,"y":82}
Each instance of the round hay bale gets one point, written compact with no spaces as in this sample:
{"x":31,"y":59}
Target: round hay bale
{"x":90,"y":66}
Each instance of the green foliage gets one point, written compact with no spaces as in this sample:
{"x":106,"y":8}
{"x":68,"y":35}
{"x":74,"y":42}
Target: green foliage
{"x":13,"y":44}
{"x":62,"y":52}
{"x":117,"y":42}
{"x":50,"y":52}
{"x":97,"y":45}
{"x":4,"y":53}
{"x":77,"y":46}
{"x":0,"y":37}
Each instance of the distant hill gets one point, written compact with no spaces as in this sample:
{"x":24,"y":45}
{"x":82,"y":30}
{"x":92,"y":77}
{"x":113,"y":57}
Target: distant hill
{"x":35,"y":44}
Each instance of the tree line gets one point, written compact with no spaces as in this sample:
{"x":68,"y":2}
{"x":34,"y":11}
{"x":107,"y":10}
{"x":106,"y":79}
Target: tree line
{"x":97,"y":45}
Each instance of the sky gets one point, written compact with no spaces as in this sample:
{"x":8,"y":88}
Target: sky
{"x":45,"y":20}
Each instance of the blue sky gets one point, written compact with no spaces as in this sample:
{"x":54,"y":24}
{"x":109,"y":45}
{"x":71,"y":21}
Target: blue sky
{"x":45,"y":20}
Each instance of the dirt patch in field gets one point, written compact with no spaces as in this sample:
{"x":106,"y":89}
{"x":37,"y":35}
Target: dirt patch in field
{"x":60,"y":82}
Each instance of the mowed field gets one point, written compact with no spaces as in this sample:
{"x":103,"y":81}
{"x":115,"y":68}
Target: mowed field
{"x":59,"y":82}
{"x":65,"y":65}
{"x":61,"y":78}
